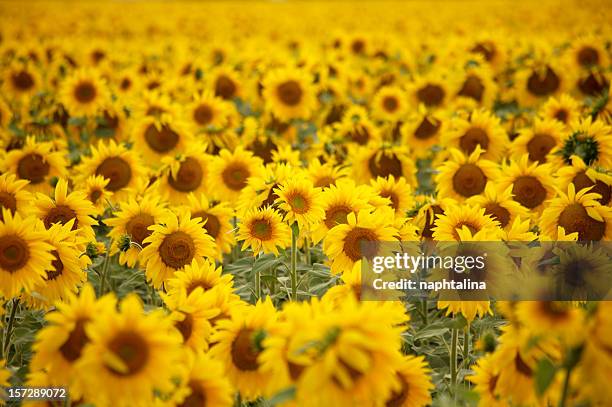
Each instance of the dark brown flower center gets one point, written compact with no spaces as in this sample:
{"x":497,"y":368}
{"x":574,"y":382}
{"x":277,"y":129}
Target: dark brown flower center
{"x":60,"y":214}
{"x":9,"y":202}
{"x":77,"y":339}
{"x":359,"y":134}
{"x":85,"y":92}
{"x":22,"y":80}
{"x":203,"y":114}
{"x":472,"y":88}
{"x":198,"y":284}
{"x":212,"y":225}
{"x":399,"y":397}
{"x":138,"y":227}
{"x":393,"y":197}
{"x":521,"y":366}
{"x":117,"y":171}
{"x":539,"y":146}
{"x":390,"y":104}
{"x":360,"y":242}
{"x":427,"y":129}
{"x":261,"y":229}
{"x":290,"y":93}
{"x":197,"y":397}
{"x":581,"y":181}
{"x":528,"y":191}
{"x":235,"y":176}
{"x":177,"y":250}
{"x":336,"y":215}
{"x":554,"y":310}
{"x":244,"y":354}
{"x":594,"y":84}
{"x":575,"y":218}
{"x":431,"y":95}
{"x":132,"y":349}
{"x":162,"y":140}
{"x":185,"y":326}
{"x":189,"y":176}
{"x":430,"y":220}
{"x":469,"y":180}
{"x":358,"y":46}
{"x":588,"y":56}
{"x":498,"y":213}
{"x":474,"y":136}
{"x":543,"y":85}
{"x":58,"y":267}
{"x":225,"y":87}
{"x":14,"y":253}
{"x":263,"y":149}
{"x":33,"y":167}
{"x":486,"y":49}
{"x":561,"y":115}
{"x":95,"y":195}
{"x":385,"y":165}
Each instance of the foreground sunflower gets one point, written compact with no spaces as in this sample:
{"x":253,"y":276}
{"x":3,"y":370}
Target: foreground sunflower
{"x":13,"y":195}
{"x":263,"y":230}
{"x":230,"y":171}
{"x":300,"y":201}
{"x":84,"y":93}
{"x":25,"y":256}
{"x":288,"y":94}
{"x":134,"y":354}
{"x":413,"y":384}
{"x":156,"y":138}
{"x":465,"y":222}
{"x":216,"y":220}
{"x":199,"y":274}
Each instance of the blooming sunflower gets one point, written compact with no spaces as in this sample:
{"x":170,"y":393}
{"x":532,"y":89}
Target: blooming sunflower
{"x":84,"y":93}
{"x":477,"y":86}
{"x":343,"y":243}
{"x":564,"y":109}
{"x":59,"y":345}
{"x":480,"y":129}
{"x":300,"y":202}
{"x":413,"y":384}
{"x":173,"y":245}
{"x":133,"y":353}
{"x":217,"y":220}
{"x":463,"y":176}
{"x":324,"y":175}
{"x":184,"y":173}
{"x":64,"y":207}
{"x":156,"y":138}
{"x":36,"y":162}
{"x":500,"y":205}
{"x":397,"y":191}
{"x":556,"y":318}
{"x":377,"y":160}
{"x":584,"y":177}
{"x":390,"y":103}
{"x":577,"y":212}
{"x":199,"y":274}
{"x":263,"y":230}
{"x":486,"y":374}
{"x":239,"y":344}
{"x":430,"y":90}
{"x":118,"y":164}
{"x":21,"y":80}
{"x":13,"y":195}
{"x":95,"y":188}
{"x":288,"y":94}
{"x":422,"y":131}
{"x":538,"y":140}
{"x":207,"y":113}
{"x":25,"y":256}
{"x":225,"y":83}
{"x":356,"y":127}
{"x":465,"y":222}
{"x":590,"y":140}
{"x":541,"y":80}
{"x":230,"y":172}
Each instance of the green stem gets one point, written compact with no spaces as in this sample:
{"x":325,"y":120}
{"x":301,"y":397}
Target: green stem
{"x":425,"y":311}
{"x":453,"y":357}
{"x":105,"y":269}
{"x":466,"y":345}
{"x":9,"y":328}
{"x":566,"y":382}
{"x":293,"y":268}
{"x":257,"y":285}
{"x":307,"y":250}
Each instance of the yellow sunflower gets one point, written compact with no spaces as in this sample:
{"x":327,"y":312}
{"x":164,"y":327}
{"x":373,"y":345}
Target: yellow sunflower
{"x":14,"y":195}
{"x":173,"y":245}
{"x":430,"y":90}
{"x":217,"y":221}
{"x":485,"y":376}
{"x":157,"y":138}
{"x":225,"y":83}
{"x":390,"y":104}
{"x":300,"y":202}
{"x":463,"y":176}
{"x":563,"y":109}
{"x":263,"y":230}
{"x":324,"y":175}
{"x":423,"y":131}
{"x":499,"y":205}
{"x":25,"y":256}
{"x":239,"y":344}
{"x":540,"y":80}
{"x":230,"y":172}
{"x":477,"y":86}
{"x":538,"y":140}
{"x":583,"y":177}
{"x":577,"y":212}
{"x":116,"y":163}
{"x":343,"y":244}
{"x":413,"y":384}
{"x":95,"y":188}
{"x":36,"y":162}
{"x":199,"y":274}
{"x":64,"y":207}
{"x":356,"y":127}
{"x":288,"y":94}
{"x":378,"y":160}
{"x":556,"y":318}
{"x":397,"y":191}
{"x":134,"y":354}
{"x":134,"y":219}
{"x":588,"y":139}
{"x":21,"y":80}
{"x":84,"y":93}
{"x":465,"y":222}
{"x":207,"y":113}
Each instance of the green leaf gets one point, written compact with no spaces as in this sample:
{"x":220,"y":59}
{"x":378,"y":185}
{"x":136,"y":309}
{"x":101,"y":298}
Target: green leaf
{"x":282,"y":396}
{"x":545,"y":373}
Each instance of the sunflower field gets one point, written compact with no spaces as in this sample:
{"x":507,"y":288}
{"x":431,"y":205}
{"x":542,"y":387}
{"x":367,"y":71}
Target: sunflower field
{"x":186,"y":187}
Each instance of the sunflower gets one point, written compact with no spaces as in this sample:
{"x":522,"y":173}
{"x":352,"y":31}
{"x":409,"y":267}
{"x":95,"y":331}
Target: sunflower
{"x":465,"y":222}
{"x":134,"y":219}
{"x":287,"y":155}
{"x":225,"y":83}
{"x":198,"y":274}
{"x":587,"y":52}
{"x":204,"y":385}
{"x":564,"y":109}
{"x":532,"y":183}
{"x":184,"y":173}
{"x":590,"y":140}
{"x":583,"y":177}
{"x":207,"y":113}
{"x":156,"y":138}
{"x":95,"y":188}
{"x":324,"y":175}
{"x":260,"y":189}
{"x":288,"y":94}
{"x":556,"y":318}
{"x":300,"y":202}
{"x":500,"y":205}
{"x":25,"y":256}
{"x":263,"y":230}
{"x":538,"y":140}
{"x":413,"y":384}
{"x":463,"y":175}
{"x":59,"y":345}
{"x":84,"y":93}
{"x":344,"y":243}
{"x":155,"y":105}
{"x":21,"y":80}
{"x":230,"y":172}
{"x":217,"y":220}
{"x":423,"y":131}
{"x":116,"y":163}
{"x":491,"y":48}
{"x":379,"y":160}
{"x":486,"y":374}
{"x":594,"y":83}
{"x":480,"y":129}
{"x":430,"y":90}
{"x":397,"y":191}
{"x":6,"y":115}
{"x":239,"y":345}
{"x":356,"y":127}
{"x":477,"y":86}
{"x":64,"y":207}
{"x":390,"y":104}
{"x":14,"y":195}
{"x":577,"y":212}
{"x":36,"y":162}
{"x":132,"y":353}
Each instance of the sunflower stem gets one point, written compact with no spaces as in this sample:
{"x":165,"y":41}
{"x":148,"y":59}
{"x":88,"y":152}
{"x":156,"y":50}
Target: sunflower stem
{"x":293,"y":269}
{"x":466,"y":345}
{"x":257,"y":285}
{"x":307,"y":250}
{"x":566,"y":383}
{"x":453,"y":357}
{"x":9,"y":329}
{"x":425,"y":311}
{"x":105,"y":269}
